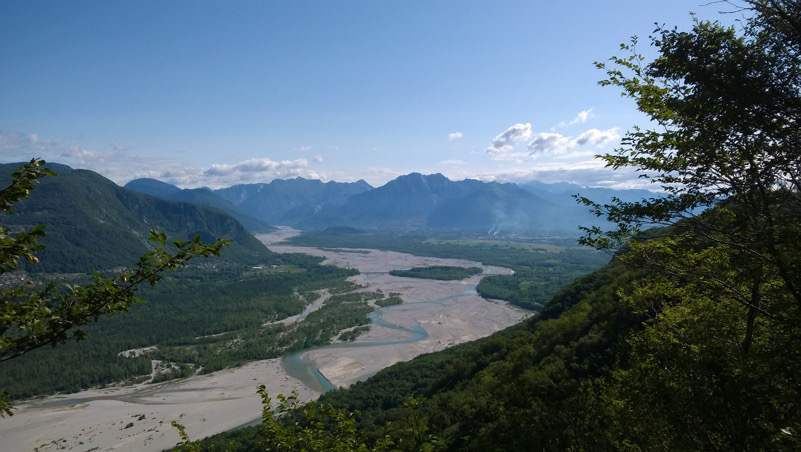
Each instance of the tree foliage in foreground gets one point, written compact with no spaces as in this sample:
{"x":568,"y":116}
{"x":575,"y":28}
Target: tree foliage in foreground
{"x":32,"y":316}
{"x":290,"y":427}
{"x":717,"y":365}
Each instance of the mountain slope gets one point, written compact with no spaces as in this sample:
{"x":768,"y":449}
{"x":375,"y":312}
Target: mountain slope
{"x":92,"y":223}
{"x":493,"y":206}
{"x":405,"y":201}
{"x":203,"y":196}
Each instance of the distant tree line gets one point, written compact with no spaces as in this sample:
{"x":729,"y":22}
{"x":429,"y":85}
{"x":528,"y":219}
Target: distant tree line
{"x":539,"y":273}
{"x":439,"y":272}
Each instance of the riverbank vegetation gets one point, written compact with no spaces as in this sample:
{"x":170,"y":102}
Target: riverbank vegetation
{"x":438,"y":272}
{"x":203,"y":319}
{"x":540,"y":268}
{"x":391,"y":300}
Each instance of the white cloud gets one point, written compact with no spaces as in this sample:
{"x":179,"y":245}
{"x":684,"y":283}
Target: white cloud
{"x":253,"y":165}
{"x":13,"y":144}
{"x":586,"y":173}
{"x":597,"y":137}
{"x":304,"y":148}
{"x":265,"y":166}
{"x":251,"y":171}
{"x":556,"y":143}
{"x":122,"y":164}
{"x":550,"y":143}
{"x":582,"y":117}
{"x":508,"y":139}
{"x":453,"y":136}
{"x":17,"y":147}
{"x":118,"y":163}
{"x":79,"y":154}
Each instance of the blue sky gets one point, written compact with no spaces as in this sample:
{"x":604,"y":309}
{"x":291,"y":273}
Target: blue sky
{"x":201,"y":93}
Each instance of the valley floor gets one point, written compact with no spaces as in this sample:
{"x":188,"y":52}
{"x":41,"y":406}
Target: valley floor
{"x":138,"y":417}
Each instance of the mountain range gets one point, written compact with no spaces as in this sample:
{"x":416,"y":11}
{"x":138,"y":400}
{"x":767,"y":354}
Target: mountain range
{"x":92,"y":223}
{"x":410,"y":201}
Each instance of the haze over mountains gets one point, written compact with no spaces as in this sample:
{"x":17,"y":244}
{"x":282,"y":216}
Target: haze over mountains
{"x":409,"y":201}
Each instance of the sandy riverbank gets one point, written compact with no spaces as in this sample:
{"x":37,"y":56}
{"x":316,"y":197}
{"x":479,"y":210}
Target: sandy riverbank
{"x":137,"y":418}
{"x":101,"y":419}
{"x":461,"y":316}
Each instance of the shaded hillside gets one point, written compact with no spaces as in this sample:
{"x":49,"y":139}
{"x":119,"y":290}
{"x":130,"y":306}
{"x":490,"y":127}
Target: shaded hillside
{"x":521,"y":387}
{"x":91,"y":223}
{"x":648,"y":353}
{"x":203,"y":196}
{"x":592,"y":371}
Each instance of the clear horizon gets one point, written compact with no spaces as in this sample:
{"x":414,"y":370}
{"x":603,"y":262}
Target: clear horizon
{"x":217,"y":94}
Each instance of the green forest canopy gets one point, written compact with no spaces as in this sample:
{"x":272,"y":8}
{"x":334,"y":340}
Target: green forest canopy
{"x":439,"y":272}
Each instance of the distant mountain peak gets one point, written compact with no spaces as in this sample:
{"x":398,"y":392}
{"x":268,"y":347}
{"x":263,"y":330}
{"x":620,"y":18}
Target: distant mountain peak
{"x":152,"y":187}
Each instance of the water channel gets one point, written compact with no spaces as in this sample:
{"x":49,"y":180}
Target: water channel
{"x":300,"y":366}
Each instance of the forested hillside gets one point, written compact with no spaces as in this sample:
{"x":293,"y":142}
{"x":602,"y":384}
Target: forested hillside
{"x":203,"y":196}
{"x":94,"y":224}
